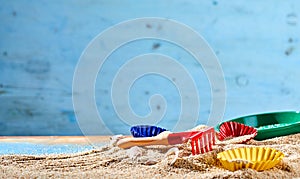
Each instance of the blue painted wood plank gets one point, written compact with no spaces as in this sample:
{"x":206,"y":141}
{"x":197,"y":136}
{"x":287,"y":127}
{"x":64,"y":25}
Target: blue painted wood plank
{"x":41,"y":41}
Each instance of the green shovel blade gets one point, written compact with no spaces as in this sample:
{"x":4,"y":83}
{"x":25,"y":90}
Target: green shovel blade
{"x":270,"y":125}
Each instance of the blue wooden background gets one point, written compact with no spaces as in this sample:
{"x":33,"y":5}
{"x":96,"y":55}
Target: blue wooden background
{"x":257,"y":43}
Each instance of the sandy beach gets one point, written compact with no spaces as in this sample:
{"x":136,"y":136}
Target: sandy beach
{"x":110,"y":161}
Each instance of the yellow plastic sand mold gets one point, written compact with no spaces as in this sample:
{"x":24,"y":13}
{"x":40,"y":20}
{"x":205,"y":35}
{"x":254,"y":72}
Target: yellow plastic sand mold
{"x":257,"y":158}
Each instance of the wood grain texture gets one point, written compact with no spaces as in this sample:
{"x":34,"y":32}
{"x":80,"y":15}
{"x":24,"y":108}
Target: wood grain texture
{"x":50,"y":140}
{"x":257,"y":44}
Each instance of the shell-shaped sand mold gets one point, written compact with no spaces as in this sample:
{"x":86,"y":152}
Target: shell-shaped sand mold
{"x":146,"y":131}
{"x":234,"y":129}
{"x":257,"y":158}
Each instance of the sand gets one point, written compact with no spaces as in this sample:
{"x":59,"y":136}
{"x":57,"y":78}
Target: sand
{"x":149,"y":162}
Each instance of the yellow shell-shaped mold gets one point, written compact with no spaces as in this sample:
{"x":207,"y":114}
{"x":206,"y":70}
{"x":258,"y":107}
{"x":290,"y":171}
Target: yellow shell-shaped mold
{"x":258,"y":158}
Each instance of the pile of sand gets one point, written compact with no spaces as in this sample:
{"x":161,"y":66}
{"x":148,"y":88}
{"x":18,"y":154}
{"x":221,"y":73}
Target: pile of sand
{"x":150,"y":162}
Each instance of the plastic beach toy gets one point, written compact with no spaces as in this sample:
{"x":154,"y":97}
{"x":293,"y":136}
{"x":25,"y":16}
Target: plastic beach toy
{"x":271,"y":125}
{"x":257,"y":158}
{"x":146,"y":131}
{"x":231,"y":129}
{"x":201,"y":141}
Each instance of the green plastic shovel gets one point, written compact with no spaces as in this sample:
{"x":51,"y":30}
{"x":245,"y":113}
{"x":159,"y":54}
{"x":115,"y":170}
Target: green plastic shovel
{"x":270,"y":125}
